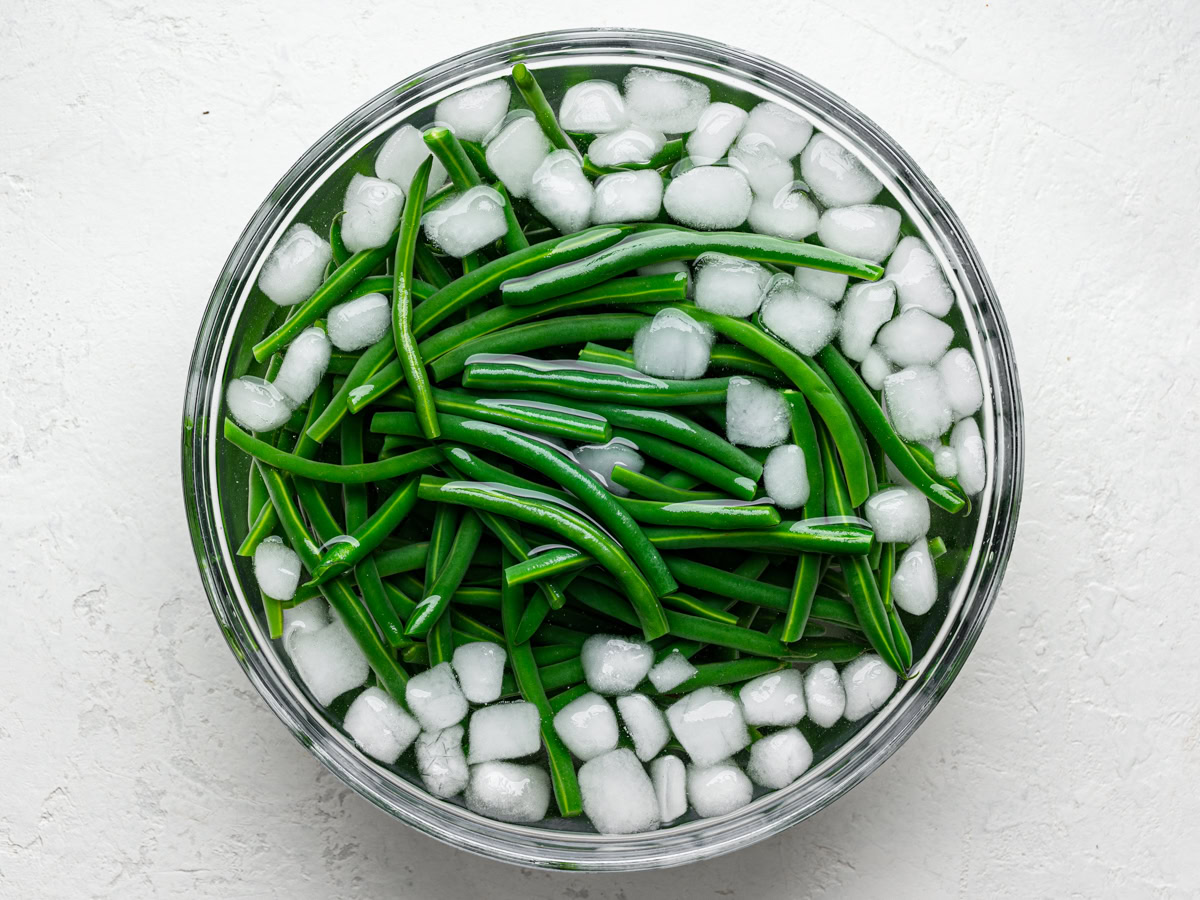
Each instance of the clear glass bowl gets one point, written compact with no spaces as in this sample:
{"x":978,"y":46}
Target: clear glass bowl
{"x":215,"y":496}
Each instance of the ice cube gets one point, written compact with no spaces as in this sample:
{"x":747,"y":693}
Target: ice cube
{"x":776,"y":698}
{"x":615,"y":665}
{"x":804,"y":322}
{"x":379,"y":725}
{"x":645,"y":723}
{"x":664,"y":101}
{"x":304,"y":618}
{"x":629,"y":145}
{"x":945,"y":461}
{"x":918,"y":278}
{"x":441,"y":762}
{"x":467,"y":223}
{"x":673,"y":671}
{"x":360,"y":322}
{"x":276,"y":568}
{"x":787,"y":214}
{"x":304,"y":365}
{"x":600,"y":459}
{"x":899,"y":515}
{"x":917,"y":404}
{"x":479,"y":666}
{"x":516,"y":152}
{"x":865,"y":231}
{"x":435,"y":698}
{"x":960,"y":381}
{"x":717,"y":789}
{"x":401,"y":154}
{"x":475,"y":113}
{"x":561,"y":192}
{"x":617,"y":794}
{"x":729,"y":285}
{"x":373,"y":208}
{"x":755,"y":415}
{"x":295,"y":267}
{"x":592,"y":106}
{"x":779,"y":759}
{"x":914,"y":585}
{"x":627,"y":197}
{"x":328,"y":661}
{"x":785,"y":477}
{"x":867,"y":307}
{"x":257,"y":405}
{"x":765,"y":170}
{"x":787,"y":132}
{"x":669,"y":776}
{"x":914,"y":338}
{"x":835,"y":175}
{"x":972,"y":459}
{"x":509,"y":792}
{"x":709,"y":198}
{"x":719,"y":125}
{"x":868,"y":683}
{"x":709,"y":725}
{"x":829,"y":286}
{"x":672,"y":345}
{"x":824,"y":696}
{"x":588,"y":726}
{"x":504,"y":731}
{"x":875,"y":369}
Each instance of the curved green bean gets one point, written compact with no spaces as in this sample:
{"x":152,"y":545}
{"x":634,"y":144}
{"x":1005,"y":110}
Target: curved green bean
{"x":364,"y":538}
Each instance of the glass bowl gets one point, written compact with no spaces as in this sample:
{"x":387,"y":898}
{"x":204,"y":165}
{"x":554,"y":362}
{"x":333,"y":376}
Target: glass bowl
{"x":215,"y":496}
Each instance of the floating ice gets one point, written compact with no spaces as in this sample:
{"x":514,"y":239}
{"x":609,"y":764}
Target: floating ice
{"x":914,"y":585}
{"x":865,"y":231}
{"x":663,"y":100}
{"x":617,"y":794}
{"x":755,"y":415}
{"x":587,"y":726}
{"x":945,"y":461}
{"x":593,"y":106}
{"x":729,"y":285}
{"x":836,"y":175}
{"x":776,"y":698}
{"x":328,"y":661}
{"x":709,"y":198}
{"x":257,"y":405}
{"x":379,"y":725}
{"x":627,"y":197}
{"x":786,"y":131}
{"x":629,"y":145}
{"x":669,"y":776}
{"x":304,"y":365}
{"x":435,"y":698}
{"x":276,"y":568}
{"x":402,"y":153}
{"x":645,"y":723}
{"x":875,"y":369}
{"x":779,"y":759}
{"x":917,"y":404}
{"x":600,"y":459}
{"x":918,"y":277}
{"x":475,"y":113}
{"x":899,"y":515}
{"x":765,"y":170}
{"x":672,"y":345}
{"x":673,"y":671}
{"x":972,"y":459}
{"x":804,"y":322}
{"x":914,"y":338}
{"x":868,"y":683}
{"x":824,"y":696}
{"x":441,"y":761}
{"x":717,"y":789}
{"x":504,"y":731}
{"x":788,"y":213}
{"x":867,"y":307}
{"x":828,"y":286}
{"x":479,"y":666}
{"x":715,"y":132}
{"x":709,"y":725}
{"x":295,"y":267}
{"x":304,"y":618}
{"x":785,"y":477}
{"x":360,"y":322}
{"x":960,"y":381}
{"x":467,"y":223}
{"x":373,"y":208}
{"x":561,"y":192}
{"x":615,"y":665}
{"x":516,"y":152}
{"x":509,"y":792}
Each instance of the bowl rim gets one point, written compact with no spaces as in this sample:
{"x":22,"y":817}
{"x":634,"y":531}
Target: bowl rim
{"x":850,"y":764}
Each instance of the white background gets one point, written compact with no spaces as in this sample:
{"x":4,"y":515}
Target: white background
{"x":136,"y":139}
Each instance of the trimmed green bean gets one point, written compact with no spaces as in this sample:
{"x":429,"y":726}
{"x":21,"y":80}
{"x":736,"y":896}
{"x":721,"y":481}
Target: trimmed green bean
{"x":364,"y":538}
{"x":524,"y":413}
{"x":645,"y":486}
{"x":887,"y":569}
{"x":441,"y":539}
{"x":719,"y":476}
{"x":450,"y":576}
{"x":845,"y":538}
{"x":402,"y":559}
{"x":808,"y":565}
{"x":715,"y":514}
{"x":531,"y":92}
{"x":338,"y":247}
{"x":547,"y":564}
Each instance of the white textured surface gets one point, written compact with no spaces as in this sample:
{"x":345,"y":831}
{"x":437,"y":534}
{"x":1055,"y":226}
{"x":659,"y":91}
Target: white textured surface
{"x":137,"y":139}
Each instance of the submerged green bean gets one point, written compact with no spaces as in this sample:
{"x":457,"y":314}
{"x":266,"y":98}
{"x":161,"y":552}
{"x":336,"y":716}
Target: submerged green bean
{"x":437,"y":597}
{"x":402,"y":308}
{"x":367,"y":535}
{"x":543,"y":113}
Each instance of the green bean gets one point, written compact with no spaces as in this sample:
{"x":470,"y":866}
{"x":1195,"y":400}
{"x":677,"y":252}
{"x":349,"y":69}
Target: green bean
{"x":561,"y":521}
{"x":548,"y":654}
{"x":585,"y":381}
{"x":476,"y":595}
{"x":702,"y":513}
{"x":560,"y":675}
{"x":682,"y":480}
{"x":372,"y":359}
{"x":671,"y":287}
{"x":735,"y":671}
{"x":525,"y":414}
{"x":334,"y":288}
{"x":364,"y":538}
{"x":478,"y":159}
{"x":547,"y":564}
{"x":531,"y":91}
{"x":859,"y":396}
{"x":560,"y":701}
{"x":338,"y":247}
{"x":514,"y":238}
{"x":402,"y":310}
{"x":937,"y":547}
{"x":445,"y":527}
{"x":402,"y":559}
{"x":512,"y":541}
{"x":719,"y":476}
{"x":437,"y":598}
{"x":846,"y":538}
{"x":645,"y":486}
{"x":684,"y":602}
{"x":388,"y":673}
{"x":451,"y":153}
{"x":808,"y":565}
{"x":666,"y":244}
{"x":471,"y":287}
{"x":430,"y":266}
{"x":739,"y":359}
{"x":671,"y":153}
{"x":609,"y":356}
{"x":263,"y":524}
{"x":332,"y":472}
{"x":887,"y":569}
